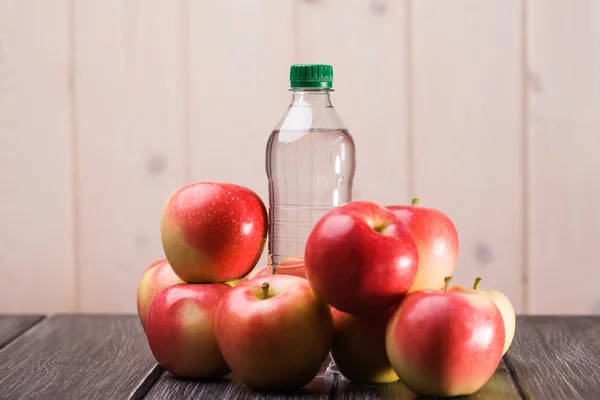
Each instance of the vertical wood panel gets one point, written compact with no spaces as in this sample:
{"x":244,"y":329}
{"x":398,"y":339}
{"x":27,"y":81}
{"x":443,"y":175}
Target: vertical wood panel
{"x":36,"y":258}
{"x":366,"y":43}
{"x":466,"y":64}
{"x":131,"y":140}
{"x":564,"y":156}
{"x":240,"y":54}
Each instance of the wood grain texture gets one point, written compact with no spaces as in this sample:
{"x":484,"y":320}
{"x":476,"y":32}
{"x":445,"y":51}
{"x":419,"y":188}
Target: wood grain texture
{"x":76,"y":357}
{"x":564,"y":156}
{"x":36,"y":235}
{"x":467,"y":76}
{"x":11,"y":326}
{"x":107,"y":357}
{"x":366,"y":43}
{"x":325,"y":385}
{"x":500,"y":387}
{"x":346,"y":390}
{"x":169,"y":387}
{"x":557,"y":358}
{"x":131,"y":102}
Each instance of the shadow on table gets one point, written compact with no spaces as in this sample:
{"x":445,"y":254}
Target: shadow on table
{"x":500,"y":387}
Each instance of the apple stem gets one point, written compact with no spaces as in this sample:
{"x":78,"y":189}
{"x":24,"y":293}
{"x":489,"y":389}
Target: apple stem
{"x":415,"y":202}
{"x":265,"y":288}
{"x":447,"y":283}
{"x":477,"y":280}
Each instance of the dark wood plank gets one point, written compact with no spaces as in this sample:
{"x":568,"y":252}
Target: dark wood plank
{"x":346,"y":390}
{"x":326,"y":385}
{"x":76,"y":357}
{"x":11,"y":326}
{"x":169,"y":387}
{"x":500,"y":386}
{"x":556,"y":357}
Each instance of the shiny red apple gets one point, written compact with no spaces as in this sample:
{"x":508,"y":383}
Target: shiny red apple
{"x":360,"y":258}
{"x":274,"y":332}
{"x":156,"y":277}
{"x":213,"y":232}
{"x":181,"y":330}
{"x":358,"y":348}
{"x":437,"y":241}
{"x":445,"y":343}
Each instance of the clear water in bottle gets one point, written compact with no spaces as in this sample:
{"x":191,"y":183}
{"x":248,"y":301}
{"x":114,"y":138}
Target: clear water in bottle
{"x":310,"y":160}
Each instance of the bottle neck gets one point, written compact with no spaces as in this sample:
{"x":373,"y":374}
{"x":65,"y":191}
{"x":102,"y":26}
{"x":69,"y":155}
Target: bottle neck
{"x":313,"y":98}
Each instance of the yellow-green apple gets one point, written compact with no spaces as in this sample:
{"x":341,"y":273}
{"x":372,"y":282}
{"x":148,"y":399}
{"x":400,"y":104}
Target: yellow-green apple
{"x":360,"y":258}
{"x":181,"y":330}
{"x":157,"y":276}
{"x":358,"y":347}
{"x":445,"y":343}
{"x":437,"y":241}
{"x":213,"y":232}
{"x":274,"y":332}
{"x":506,"y":309}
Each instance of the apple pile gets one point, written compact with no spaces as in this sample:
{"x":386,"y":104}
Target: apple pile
{"x":373,"y":290}
{"x":203,"y":316}
{"x":386,"y":274}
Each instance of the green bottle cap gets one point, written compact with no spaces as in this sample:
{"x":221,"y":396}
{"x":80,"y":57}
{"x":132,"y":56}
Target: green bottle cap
{"x":319,"y":76}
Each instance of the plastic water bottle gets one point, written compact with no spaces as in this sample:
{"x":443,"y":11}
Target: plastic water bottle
{"x":310,"y":162}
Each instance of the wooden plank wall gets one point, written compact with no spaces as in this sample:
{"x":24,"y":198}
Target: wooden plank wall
{"x":563,"y":135}
{"x":466,"y":69}
{"x":131,"y":121}
{"x":488,"y":111}
{"x":37,"y":269}
{"x":370,"y":42}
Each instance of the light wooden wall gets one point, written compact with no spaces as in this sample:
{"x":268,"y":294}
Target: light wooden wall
{"x":488,"y":111}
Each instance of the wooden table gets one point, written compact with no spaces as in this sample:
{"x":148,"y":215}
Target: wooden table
{"x":107,"y":357}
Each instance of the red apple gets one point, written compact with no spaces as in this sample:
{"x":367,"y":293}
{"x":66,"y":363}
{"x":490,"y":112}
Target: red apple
{"x":437,"y":241}
{"x":358,"y":348}
{"x":157,"y":276}
{"x":360,"y":258}
{"x":213,"y":232}
{"x":274,"y":332}
{"x":181,"y":330}
{"x":445,"y":343}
